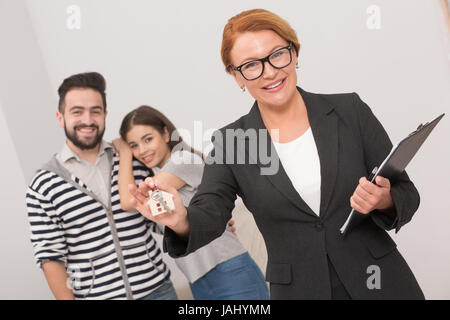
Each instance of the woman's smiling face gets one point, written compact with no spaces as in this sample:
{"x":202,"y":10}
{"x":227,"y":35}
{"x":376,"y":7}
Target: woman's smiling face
{"x":148,"y":145}
{"x":275,"y":87}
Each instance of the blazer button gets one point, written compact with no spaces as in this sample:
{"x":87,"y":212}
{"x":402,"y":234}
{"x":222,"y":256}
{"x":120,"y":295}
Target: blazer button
{"x":319,"y":226}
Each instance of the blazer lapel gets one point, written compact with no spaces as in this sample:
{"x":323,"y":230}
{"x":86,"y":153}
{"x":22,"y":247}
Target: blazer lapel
{"x":324,"y":126}
{"x":279,"y":179}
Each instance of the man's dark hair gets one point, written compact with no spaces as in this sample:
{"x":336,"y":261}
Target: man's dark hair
{"x":92,"y":80}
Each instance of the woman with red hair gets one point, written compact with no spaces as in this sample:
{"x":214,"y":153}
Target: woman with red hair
{"x":325,"y":144}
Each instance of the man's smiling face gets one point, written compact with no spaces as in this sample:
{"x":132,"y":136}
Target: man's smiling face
{"x":83,"y":118}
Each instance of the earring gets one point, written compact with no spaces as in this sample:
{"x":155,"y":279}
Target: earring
{"x":296,"y":66}
{"x":243,"y":89}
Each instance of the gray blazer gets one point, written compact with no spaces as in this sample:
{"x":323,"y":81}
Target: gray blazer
{"x":350,"y":142}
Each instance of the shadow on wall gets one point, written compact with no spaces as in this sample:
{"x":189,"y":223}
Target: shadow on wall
{"x":25,"y":90}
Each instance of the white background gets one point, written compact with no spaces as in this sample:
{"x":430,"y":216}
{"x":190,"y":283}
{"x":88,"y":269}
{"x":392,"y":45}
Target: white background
{"x":167,"y":54}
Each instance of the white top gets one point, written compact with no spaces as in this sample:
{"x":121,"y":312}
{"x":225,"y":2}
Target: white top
{"x":301,"y":162}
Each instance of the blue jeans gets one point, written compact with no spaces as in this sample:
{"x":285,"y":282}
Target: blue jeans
{"x":236,"y":279}
{"x":165,"y":292}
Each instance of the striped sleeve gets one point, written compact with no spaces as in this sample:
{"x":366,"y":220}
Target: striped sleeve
{"x":47,"y":236}
{"x":140,"y":173}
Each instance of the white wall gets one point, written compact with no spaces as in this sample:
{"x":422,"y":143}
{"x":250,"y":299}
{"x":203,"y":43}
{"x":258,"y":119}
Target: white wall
{"x":167,"y":54}
{"x":29,"y":102}
{"x":19,"y":276}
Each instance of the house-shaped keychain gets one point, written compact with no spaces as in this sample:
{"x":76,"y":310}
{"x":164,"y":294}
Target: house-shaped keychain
{"x":160,"y":202}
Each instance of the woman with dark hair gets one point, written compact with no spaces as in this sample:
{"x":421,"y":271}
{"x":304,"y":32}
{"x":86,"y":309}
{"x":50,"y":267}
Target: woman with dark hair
{"x":326,"y":145}
{"x":220,"y":270}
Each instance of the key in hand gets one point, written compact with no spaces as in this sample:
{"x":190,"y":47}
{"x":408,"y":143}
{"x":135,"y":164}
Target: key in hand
{"x":160,"y":202}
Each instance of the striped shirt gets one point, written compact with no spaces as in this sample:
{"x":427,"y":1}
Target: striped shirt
{"x":108,"y":253}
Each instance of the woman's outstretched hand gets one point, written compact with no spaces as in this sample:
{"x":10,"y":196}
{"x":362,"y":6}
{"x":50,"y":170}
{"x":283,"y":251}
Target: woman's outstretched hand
{"x":177,"y":220}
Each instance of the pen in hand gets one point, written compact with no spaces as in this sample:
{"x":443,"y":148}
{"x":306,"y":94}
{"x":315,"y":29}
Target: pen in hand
{"x":372,"y":174}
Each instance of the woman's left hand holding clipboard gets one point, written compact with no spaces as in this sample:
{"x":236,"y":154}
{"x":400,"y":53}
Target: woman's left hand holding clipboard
{"x":369,"y":196}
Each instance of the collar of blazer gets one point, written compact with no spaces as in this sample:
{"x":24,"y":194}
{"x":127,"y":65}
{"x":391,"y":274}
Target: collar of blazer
{"x":324,"y":126}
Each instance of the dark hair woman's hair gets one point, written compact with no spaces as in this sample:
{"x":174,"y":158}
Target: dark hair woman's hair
{"x":91,"y":80}
{"x":148,"y":116}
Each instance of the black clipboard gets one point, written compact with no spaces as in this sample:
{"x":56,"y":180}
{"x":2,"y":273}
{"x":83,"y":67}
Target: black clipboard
{"x":397,"y":160}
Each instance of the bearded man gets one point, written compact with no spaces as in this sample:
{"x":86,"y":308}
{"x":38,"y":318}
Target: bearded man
{"x":86,"y":244}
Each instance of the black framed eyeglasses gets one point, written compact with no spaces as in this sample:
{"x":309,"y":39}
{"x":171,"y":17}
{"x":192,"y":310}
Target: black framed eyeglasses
{"x":254,"y":69}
